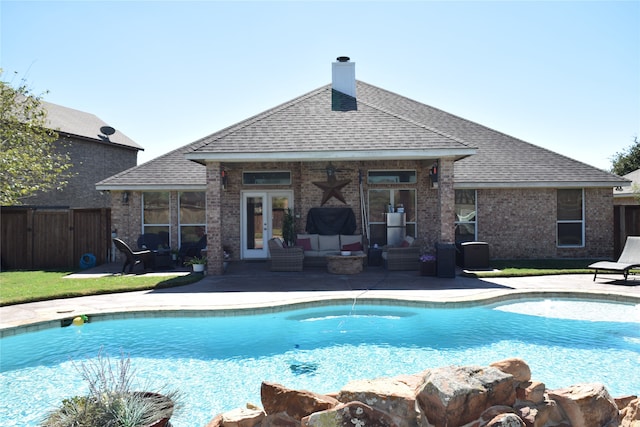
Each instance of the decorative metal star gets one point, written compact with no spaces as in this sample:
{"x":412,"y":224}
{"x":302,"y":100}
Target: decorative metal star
{"x":331,"y":189}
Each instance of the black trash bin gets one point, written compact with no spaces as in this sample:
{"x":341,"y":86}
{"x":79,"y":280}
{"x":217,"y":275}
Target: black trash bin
{"x":446,"y":259}
{"x":475,"y":255}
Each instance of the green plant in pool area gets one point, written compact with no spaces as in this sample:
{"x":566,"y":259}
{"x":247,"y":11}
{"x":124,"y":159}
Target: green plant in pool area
{"x":196,"y":260}
{"x":289,"y":227}
{"x":112,"y":400}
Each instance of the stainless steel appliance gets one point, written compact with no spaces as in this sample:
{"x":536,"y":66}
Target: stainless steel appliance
{"x":396,"y":228}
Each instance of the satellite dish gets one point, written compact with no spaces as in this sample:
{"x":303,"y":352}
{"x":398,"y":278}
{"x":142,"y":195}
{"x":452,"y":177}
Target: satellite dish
{"x":107,"y":130}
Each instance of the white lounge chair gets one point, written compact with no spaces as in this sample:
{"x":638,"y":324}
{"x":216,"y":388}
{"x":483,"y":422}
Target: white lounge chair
{"x":629,"y":258}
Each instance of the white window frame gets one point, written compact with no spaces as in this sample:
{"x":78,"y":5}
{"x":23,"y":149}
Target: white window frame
{"x":458,"y":222}
{"x":572,"y":221}
{"x":181,"y":224}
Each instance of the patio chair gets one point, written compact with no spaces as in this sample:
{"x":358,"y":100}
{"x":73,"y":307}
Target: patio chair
{"x":132,"y":258}
{"x":403,"y":257}
{"x":285,"y":258}
{"x":629,"y":258}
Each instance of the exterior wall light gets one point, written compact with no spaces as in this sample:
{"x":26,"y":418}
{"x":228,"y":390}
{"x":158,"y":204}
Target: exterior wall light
{"x":433,"y":175}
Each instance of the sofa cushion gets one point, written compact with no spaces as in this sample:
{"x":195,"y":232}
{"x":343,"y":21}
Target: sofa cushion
{"x":313,"y":239}
{"x":407,"y":241}
{"x":304,"y":243}
{"x":357,"y":246}
{"x":329,"y":243}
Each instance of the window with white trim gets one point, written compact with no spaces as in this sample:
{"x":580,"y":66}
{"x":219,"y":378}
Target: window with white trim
{"x":570,"y":217}
{"x":156,"y":217}
{"x":192,"y":216}
{"x":465,"y":208}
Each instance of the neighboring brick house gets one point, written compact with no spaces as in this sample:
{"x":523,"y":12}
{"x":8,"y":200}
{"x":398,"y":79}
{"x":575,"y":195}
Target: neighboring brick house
{"x":94,"y":155}
{"x":53,"y":229}
{"x":350,"y":144}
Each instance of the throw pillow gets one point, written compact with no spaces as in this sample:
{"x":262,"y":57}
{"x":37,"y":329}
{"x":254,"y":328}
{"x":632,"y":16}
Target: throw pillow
{"x":352,"y":247}
{"x":405,"y":244}
{"x":304,"y":243}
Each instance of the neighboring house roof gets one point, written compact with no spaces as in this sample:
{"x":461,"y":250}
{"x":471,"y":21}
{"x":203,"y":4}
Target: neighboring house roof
{"x":70,"y":122}
{"x":632,"y":188}
{"x":383,"y":125}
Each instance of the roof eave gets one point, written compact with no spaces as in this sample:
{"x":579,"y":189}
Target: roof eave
{"x":343,"y":155}
{"x":151,"y":187}
{"x":536,"y":184}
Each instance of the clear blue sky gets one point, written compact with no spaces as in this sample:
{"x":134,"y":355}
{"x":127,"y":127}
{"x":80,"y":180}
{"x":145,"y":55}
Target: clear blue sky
{"x":561,"y":75}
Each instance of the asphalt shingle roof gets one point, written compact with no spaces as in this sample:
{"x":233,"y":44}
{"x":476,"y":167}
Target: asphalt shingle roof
{"x":383,"y":125}
{"x":74,"y":122}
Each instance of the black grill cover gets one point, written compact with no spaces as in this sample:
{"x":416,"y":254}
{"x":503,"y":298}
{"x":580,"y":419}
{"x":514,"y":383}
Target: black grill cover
{"x":329,"y":221}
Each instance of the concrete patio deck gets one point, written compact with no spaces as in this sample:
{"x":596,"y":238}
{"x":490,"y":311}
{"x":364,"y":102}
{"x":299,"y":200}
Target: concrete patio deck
{"x":250,"y":285}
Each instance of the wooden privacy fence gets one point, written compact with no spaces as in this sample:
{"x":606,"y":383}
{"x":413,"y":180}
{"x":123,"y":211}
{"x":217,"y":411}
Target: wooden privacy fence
{"x":41,"y":238}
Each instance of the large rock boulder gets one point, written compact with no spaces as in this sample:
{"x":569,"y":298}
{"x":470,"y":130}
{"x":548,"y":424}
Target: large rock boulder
{"x":393,"y":397}
{"x":455,"y":395}
{"x":630,"y":414}
{"x":531,"y":391}
{"x":240,"y":417}
{"x":505,"y":420}
{"x":587,"y":405}
{"x":296,"y":403}
{"x":352,"y":414}
{"x":517,"y":367}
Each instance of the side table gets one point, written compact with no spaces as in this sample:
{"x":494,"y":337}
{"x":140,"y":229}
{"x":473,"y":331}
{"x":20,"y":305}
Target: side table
{"x":375,"y":257}
{"x":345,"y":264}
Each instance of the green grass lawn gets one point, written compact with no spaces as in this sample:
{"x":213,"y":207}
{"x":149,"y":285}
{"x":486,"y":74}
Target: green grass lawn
{"x":17,"y":287}
{"x":535,"y":267}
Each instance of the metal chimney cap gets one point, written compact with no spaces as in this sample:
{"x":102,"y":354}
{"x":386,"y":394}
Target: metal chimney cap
{"x":343,"y":58}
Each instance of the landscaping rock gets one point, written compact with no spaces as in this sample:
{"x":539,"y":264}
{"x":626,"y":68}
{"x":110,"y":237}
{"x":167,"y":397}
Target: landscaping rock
{"x":630,"y":414}
{"x":506,"y":420}
{"x":531,"y":391}
{"x":352,"y":414}
{"x":587,"y":405}
{"x":393,"y":397}
{"x":454,"y":395}
{"x":296,"y":403}
{"x":516,"y":367}
{"x":238,"y":418}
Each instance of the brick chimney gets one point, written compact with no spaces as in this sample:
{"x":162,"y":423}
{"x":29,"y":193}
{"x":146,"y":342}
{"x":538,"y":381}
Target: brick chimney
{"x":343,"y":76}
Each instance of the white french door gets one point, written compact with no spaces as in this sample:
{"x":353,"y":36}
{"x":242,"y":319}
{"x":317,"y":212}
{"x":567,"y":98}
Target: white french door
{"x":261,"y":218}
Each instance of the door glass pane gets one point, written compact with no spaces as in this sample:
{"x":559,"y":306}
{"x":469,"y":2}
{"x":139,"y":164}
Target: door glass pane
{"x":378,"y":204}
{"x":254,"y":223}
{"x":278,"y":206}
{"x":406,"y":198}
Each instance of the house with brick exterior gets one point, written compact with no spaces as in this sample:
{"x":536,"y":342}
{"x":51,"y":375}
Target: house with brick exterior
{"x":53,"y":229}
{"x":352,"y":146}
{"x":97,"y":151}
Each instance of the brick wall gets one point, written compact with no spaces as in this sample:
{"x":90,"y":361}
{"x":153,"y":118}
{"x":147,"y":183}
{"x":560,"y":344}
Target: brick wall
{"x":92,"y":162}
{"x":517,"y":223}
{"x":521,"y":223}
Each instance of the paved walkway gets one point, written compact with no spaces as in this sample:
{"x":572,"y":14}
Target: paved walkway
{"x":252,"y":286}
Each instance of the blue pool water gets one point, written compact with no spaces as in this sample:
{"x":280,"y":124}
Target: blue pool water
{"x":218,"y":363}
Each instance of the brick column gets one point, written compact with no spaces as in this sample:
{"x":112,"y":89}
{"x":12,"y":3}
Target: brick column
{"x":214,"y":220}
{"x":446,"y":200}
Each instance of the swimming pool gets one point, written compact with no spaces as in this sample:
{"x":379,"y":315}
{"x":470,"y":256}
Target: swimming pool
{"x":218,"y":363}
